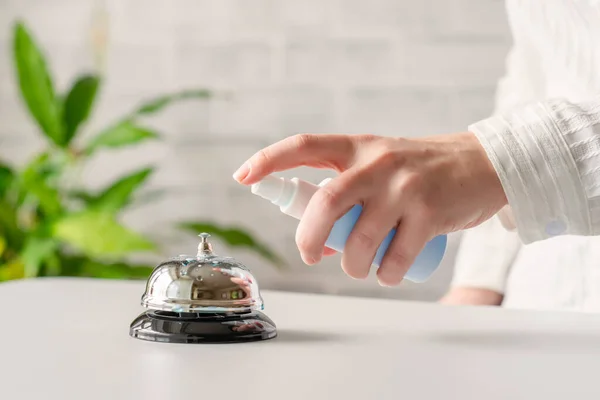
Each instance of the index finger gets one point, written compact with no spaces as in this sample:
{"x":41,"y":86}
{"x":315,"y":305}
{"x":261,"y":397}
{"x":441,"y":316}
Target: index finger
{"x":321,"y":151}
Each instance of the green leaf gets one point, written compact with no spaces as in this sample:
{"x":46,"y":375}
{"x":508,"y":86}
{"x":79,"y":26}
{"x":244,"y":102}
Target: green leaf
{"x":2,"y":245}
{"x":77,"y":265}
{"x":6,"y":179}
{"x":159,"y":103}
{"x":81,"y":195}
{"x":9,"y":227}
{"x":123,"y":134}
{"x":71,"y":264}
{"x":53,"y":266}
{"x":35,"y":183}
{"x":234,"y":237}
{"x":12,"y":270}
{"x":97,"y":269}
{"x":119,"y":194}
{"x":35,"y":252}
{"x":36,"y":85}
{"x":78,"y":105}
{"x":98,"y":234}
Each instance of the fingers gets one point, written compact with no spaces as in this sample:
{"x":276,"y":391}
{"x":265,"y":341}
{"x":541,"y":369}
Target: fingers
{"x":325,"y":151}
{"x":325,"y":207}
{"x":410,"y":239}
{"x":373,"y":225}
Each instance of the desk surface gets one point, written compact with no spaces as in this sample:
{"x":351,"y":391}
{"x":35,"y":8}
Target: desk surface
{"x":68,"y":339}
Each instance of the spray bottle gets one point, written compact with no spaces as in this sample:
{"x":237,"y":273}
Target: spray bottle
{"x":292,"y":197}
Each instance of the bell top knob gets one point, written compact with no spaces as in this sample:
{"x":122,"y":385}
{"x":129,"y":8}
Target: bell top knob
{"x":204,"y":247}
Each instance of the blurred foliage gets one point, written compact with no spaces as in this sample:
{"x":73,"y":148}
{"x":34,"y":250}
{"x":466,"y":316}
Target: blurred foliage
{"x":52,"y":226}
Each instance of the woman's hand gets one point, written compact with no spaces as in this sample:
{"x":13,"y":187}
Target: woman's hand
{"x":421,"y":187}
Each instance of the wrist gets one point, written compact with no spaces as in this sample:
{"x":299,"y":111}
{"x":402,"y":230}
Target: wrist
{"x":483,"y":166}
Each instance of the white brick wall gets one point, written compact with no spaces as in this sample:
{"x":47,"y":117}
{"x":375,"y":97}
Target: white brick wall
{"x":392,"y":67}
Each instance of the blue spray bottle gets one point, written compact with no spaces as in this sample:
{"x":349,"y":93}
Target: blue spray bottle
{"x":292,"y":196}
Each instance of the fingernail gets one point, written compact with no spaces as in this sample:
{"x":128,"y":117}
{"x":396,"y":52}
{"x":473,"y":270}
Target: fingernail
{"x":382,"y":284}
{"x":242,"y":173}
{"x":309,"y":260}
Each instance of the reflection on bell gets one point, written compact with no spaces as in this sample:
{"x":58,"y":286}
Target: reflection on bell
{"x":202,"y":299}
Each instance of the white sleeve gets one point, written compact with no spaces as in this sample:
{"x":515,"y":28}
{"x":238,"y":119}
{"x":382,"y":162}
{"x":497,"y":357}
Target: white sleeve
{"x":522,"y":83}
{"x":487,"y":252}
{"x":547,"y":156}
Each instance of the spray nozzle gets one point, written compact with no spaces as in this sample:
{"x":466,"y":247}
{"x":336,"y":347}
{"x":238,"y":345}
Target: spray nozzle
{"x":270,"y":188}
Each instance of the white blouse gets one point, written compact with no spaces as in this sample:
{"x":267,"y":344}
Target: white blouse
{"x":544,"y":142}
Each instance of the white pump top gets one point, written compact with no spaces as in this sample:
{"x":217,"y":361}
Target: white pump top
{"x":291,"y":195}
{"x":273,"y":189}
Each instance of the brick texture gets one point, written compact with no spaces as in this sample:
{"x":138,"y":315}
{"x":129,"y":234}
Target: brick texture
{"x":391,"y":67}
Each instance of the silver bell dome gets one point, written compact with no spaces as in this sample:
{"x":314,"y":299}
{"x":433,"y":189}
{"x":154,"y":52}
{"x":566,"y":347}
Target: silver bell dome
{"x":202,"y":283}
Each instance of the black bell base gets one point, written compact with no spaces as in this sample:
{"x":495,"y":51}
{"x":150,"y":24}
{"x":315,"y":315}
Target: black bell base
{"x":170,"y":327}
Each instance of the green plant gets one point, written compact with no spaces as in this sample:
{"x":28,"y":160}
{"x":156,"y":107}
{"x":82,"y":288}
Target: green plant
{"x":51,"y":226}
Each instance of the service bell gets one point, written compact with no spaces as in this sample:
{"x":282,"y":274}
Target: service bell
{"x":202,"y":299}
